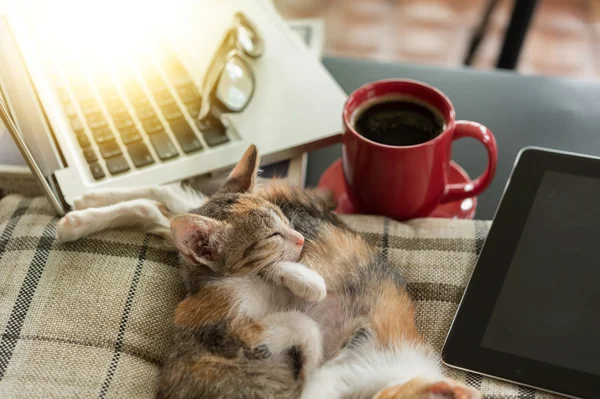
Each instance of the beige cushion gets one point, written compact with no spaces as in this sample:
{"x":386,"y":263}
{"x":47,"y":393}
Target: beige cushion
{"x":92,"y":318}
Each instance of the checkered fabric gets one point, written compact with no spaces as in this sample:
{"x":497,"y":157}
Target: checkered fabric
{"x":91,"y":318}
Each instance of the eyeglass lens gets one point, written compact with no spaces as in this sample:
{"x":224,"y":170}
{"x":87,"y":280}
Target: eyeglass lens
{"x":235,"y":85}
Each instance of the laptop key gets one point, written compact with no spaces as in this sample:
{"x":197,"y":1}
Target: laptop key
{"x":90,"y":155}
{"x":70,"y":110}
{"x":188,"y":94}
{"x":163,"y":146}
{"x":137,"y":97}
{"x":130,"y":135}
{"x":194,"y":109}
{"x":91,"y":109}
{"x":112,"y":100}
{"x":63,"y":94}
{"x":117,"y":165}
{"x":185,"y":136}
{"x":83,"y":140}
{"x":109,"y":149}
{"x":146,"y":112}
{"x":152,"y":125}
{"x":77,"y":125}
{"x":142,"y":103}
{"x":83,"y":95}
{"x":150,"y":73}
{"x":80,"y":85}
{"x":214,"y":139}
{"x":171,"y":64}
{"x":97,"y":123}
{"x":139,"y":153}
{"x":110,"y":96}
{"x":103,"y":134}
{"x":115,"y":105}
{"x":119,"y":113}
{"x":165,"y":100}
{"x":95,"y":119}
{"x":180,"y":80}
{"x":215,"y":135}
{"x":156,"y":85}
{"x":97,"y":171}
{"x":172,"y":112}
{"x":124,"y":123}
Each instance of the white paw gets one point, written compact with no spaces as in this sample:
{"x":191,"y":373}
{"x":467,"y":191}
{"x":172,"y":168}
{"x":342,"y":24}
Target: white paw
{"x":308,"y":286}
{"x":311,"y":360}
{"x":451,"y":389}
{"x":70,"y":228}
{"x":420,"y":389}
{"x":321,"y":385}
{"x":91,"y":200}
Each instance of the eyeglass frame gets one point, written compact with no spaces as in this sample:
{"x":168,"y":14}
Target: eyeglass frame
{"x":229,"y":48}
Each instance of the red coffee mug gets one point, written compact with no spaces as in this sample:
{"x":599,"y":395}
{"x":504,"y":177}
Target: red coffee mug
{"x":405,"y":182}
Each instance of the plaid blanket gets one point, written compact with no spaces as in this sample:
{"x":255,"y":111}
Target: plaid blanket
{"x":91,"y":318}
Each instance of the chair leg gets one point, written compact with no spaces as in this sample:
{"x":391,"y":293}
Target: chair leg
{"x":516,"y":33}
{"x":480,"y":31}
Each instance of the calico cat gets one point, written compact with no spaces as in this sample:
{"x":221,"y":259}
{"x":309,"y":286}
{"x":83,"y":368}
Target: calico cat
{"x":370,"y":343}
{"x":236,"y":334}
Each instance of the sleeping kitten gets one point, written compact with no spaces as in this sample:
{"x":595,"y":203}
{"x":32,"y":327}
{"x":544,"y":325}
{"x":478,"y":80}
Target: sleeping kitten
{"x":369,"y":338}
{"x":236,"y":334}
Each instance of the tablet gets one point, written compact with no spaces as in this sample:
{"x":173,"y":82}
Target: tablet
{"x":531,"y":311}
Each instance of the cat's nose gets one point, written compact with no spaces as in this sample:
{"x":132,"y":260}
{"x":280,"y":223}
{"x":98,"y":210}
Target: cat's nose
{"x":296,"y":237}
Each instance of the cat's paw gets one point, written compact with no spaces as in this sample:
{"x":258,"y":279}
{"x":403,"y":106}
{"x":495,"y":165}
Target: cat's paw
{"x":451,"y":389}
{"x":420,"y":389}
{"x":70,"y":227}
{"x":321,"y":384}
{"x":91,"y":200}
{"x":310,"y":286}
{"x":302,"y":281}
{"x":311,"y":352}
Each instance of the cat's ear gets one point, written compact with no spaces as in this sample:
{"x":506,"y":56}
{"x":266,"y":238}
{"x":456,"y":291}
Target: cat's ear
{"x":243,"y":176}
{"x":199,"y":238}
{"x":325,"y":195}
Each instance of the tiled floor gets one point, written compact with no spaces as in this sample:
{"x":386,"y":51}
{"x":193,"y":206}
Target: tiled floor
{"x":564,"y":38}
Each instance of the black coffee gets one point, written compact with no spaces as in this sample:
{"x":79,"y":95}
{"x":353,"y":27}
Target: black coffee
{"x":399,"y":123}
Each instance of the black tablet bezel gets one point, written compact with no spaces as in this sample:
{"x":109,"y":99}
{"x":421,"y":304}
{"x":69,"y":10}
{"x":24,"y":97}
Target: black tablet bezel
{"x":462,"y":348}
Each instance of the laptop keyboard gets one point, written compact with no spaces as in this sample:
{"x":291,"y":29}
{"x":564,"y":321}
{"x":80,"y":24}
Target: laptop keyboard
{"x":136,"y":119}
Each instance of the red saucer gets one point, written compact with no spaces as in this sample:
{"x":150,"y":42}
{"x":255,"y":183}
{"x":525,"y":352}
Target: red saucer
{"x":333,"y":179}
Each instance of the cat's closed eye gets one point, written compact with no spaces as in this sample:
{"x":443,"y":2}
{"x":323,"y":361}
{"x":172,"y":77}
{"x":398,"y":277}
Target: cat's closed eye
{"x":249,"y":249}
{"x":253,"y":246}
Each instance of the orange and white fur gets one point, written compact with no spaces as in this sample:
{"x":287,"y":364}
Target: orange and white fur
{"x":370,"y":343}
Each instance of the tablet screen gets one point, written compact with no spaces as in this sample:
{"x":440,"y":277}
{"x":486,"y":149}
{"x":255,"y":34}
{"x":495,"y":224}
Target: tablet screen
{"x":548,"y":308}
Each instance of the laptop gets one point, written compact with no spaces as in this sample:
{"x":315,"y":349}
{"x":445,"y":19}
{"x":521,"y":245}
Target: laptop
{"x":123,"y":94}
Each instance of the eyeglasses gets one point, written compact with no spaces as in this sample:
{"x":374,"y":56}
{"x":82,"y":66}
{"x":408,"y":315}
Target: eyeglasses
{"x":229,"y":81}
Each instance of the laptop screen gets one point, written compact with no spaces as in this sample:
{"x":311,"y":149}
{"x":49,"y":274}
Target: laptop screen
{"x":9,"y":153}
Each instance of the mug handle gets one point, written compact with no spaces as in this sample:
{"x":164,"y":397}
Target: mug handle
{"x":455,"y":192}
